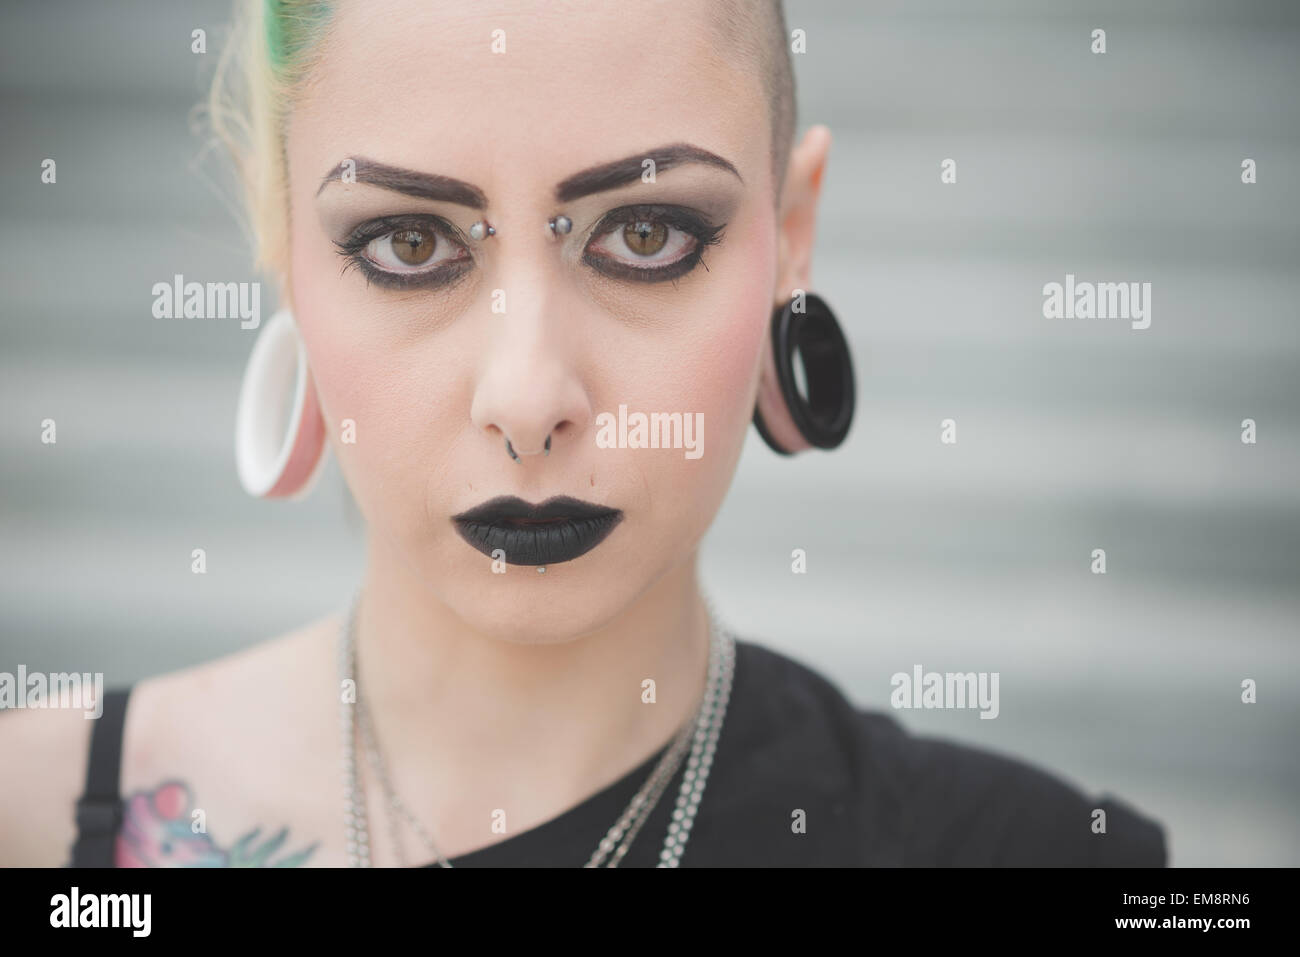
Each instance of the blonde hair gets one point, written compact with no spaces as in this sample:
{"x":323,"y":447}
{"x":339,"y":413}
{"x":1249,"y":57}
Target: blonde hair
{"x":277,"y":43}
{"x":271,"y":52}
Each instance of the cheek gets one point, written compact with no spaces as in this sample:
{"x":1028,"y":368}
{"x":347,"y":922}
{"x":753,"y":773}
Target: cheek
{"x":722,"y":370}
{"x":715,"y":374}
{"x":355,"y":375}
{"x":345,"y":368}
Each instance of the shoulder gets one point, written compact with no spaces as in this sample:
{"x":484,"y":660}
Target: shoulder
{"x":246,"y":739}
{"x":968,"y":805}
{"x":229,"y":699}
{"x":43,"y":754}
{"x":925,"y":800}
{"x":226,"y":734}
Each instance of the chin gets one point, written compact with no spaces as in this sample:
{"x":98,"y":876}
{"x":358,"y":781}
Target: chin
{"x":526,"y":607}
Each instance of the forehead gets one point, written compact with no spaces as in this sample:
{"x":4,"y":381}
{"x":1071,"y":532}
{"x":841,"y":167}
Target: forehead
{"x":418,"y":83}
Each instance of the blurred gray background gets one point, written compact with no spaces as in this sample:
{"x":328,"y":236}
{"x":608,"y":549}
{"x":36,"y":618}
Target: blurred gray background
{"x":1071,"y":435}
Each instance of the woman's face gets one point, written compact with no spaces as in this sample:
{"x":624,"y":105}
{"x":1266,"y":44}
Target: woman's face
{"x":439,"y":347}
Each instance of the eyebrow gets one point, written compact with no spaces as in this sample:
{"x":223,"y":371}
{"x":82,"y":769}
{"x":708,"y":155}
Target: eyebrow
{"x":597,"y":179}
{"x":594,"y":179}
{"x":412,"y":183}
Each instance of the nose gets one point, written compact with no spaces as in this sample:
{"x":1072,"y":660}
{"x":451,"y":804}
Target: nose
{"x":530,"y":396}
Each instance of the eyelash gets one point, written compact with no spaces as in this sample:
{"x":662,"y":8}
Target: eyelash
{"x":703,"y":233}
{"x":353,"y":249}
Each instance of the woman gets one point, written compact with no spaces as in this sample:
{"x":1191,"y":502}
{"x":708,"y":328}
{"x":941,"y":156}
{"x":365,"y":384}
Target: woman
{"x":540,"y":271}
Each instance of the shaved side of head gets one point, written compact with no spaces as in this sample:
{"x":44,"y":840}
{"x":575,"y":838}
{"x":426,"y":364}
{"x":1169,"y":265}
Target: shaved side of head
{"x":755,"y":31}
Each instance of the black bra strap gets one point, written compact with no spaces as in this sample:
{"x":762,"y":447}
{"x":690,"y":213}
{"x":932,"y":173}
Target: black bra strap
{"x":99,"y":812}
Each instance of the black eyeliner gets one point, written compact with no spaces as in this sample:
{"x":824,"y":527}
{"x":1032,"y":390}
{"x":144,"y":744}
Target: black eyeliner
{"x":352,"y":249}
{"x":373,"y":229}
{"x":443,"y":275}
{"x":352,"y":246}
{"x":678,"y":217}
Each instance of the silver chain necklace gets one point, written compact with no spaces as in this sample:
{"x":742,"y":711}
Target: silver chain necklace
{"x":702,"y":734}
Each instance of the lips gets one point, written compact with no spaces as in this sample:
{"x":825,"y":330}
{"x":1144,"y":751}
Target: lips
{"x":558,"y":530}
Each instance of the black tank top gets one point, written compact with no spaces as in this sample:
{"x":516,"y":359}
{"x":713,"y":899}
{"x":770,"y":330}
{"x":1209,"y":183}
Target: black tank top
{"x":99,"y":812}
{"x":868,"y":792}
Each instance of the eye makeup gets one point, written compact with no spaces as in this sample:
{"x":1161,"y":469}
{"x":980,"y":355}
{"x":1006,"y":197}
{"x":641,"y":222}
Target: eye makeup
{"x":391,"y":251}
{"x":644,"y":243}
{"x":643,"y":231}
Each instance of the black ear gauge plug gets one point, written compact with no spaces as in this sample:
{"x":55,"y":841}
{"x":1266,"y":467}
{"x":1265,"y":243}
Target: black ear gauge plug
{"x":824,"y":416}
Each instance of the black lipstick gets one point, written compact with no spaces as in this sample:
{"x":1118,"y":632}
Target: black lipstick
{"x":558,"y":530}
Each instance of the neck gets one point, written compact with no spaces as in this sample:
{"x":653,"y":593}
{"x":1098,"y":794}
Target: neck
{"x":469,"y":722}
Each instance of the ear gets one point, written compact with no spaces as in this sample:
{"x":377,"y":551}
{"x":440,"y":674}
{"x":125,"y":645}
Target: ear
{"x":798,"y":214}
{"x":798,"y":221}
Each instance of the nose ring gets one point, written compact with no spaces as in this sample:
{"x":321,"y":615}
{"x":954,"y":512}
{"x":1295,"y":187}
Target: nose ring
{"x":515,"y":455}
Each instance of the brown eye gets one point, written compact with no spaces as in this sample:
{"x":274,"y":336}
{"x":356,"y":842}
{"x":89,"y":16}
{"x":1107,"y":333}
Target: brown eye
{"x":645,"y":238}
{"x":414,"y":246}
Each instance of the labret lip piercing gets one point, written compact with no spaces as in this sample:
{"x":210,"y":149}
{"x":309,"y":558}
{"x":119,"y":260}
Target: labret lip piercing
{"x":515,"y":455}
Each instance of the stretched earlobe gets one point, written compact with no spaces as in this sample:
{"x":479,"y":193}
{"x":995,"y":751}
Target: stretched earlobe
{"x":787,"y":420}
{"x":771,"y":413}
{"x":278,"y":454}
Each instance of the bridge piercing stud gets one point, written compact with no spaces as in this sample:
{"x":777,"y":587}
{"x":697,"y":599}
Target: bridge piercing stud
{"x":560,"y":225}
{"x":481,"y":230}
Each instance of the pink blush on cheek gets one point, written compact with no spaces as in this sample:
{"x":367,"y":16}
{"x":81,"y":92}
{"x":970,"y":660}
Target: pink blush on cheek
{"x":337,"y":359}
{"x":348,"y":373}
{"x":729,"y":359}
{"x":715,"y":374}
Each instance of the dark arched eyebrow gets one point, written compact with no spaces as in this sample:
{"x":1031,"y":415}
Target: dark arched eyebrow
{"x":595,"y":179}
{"x":411,"y":182}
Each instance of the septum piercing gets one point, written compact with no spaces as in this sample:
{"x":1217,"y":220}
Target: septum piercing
{"x":481,"y":230}
{"x":515,"y":455}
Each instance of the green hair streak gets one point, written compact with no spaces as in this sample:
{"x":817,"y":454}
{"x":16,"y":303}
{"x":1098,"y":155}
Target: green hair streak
{"x":289,"y":30}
